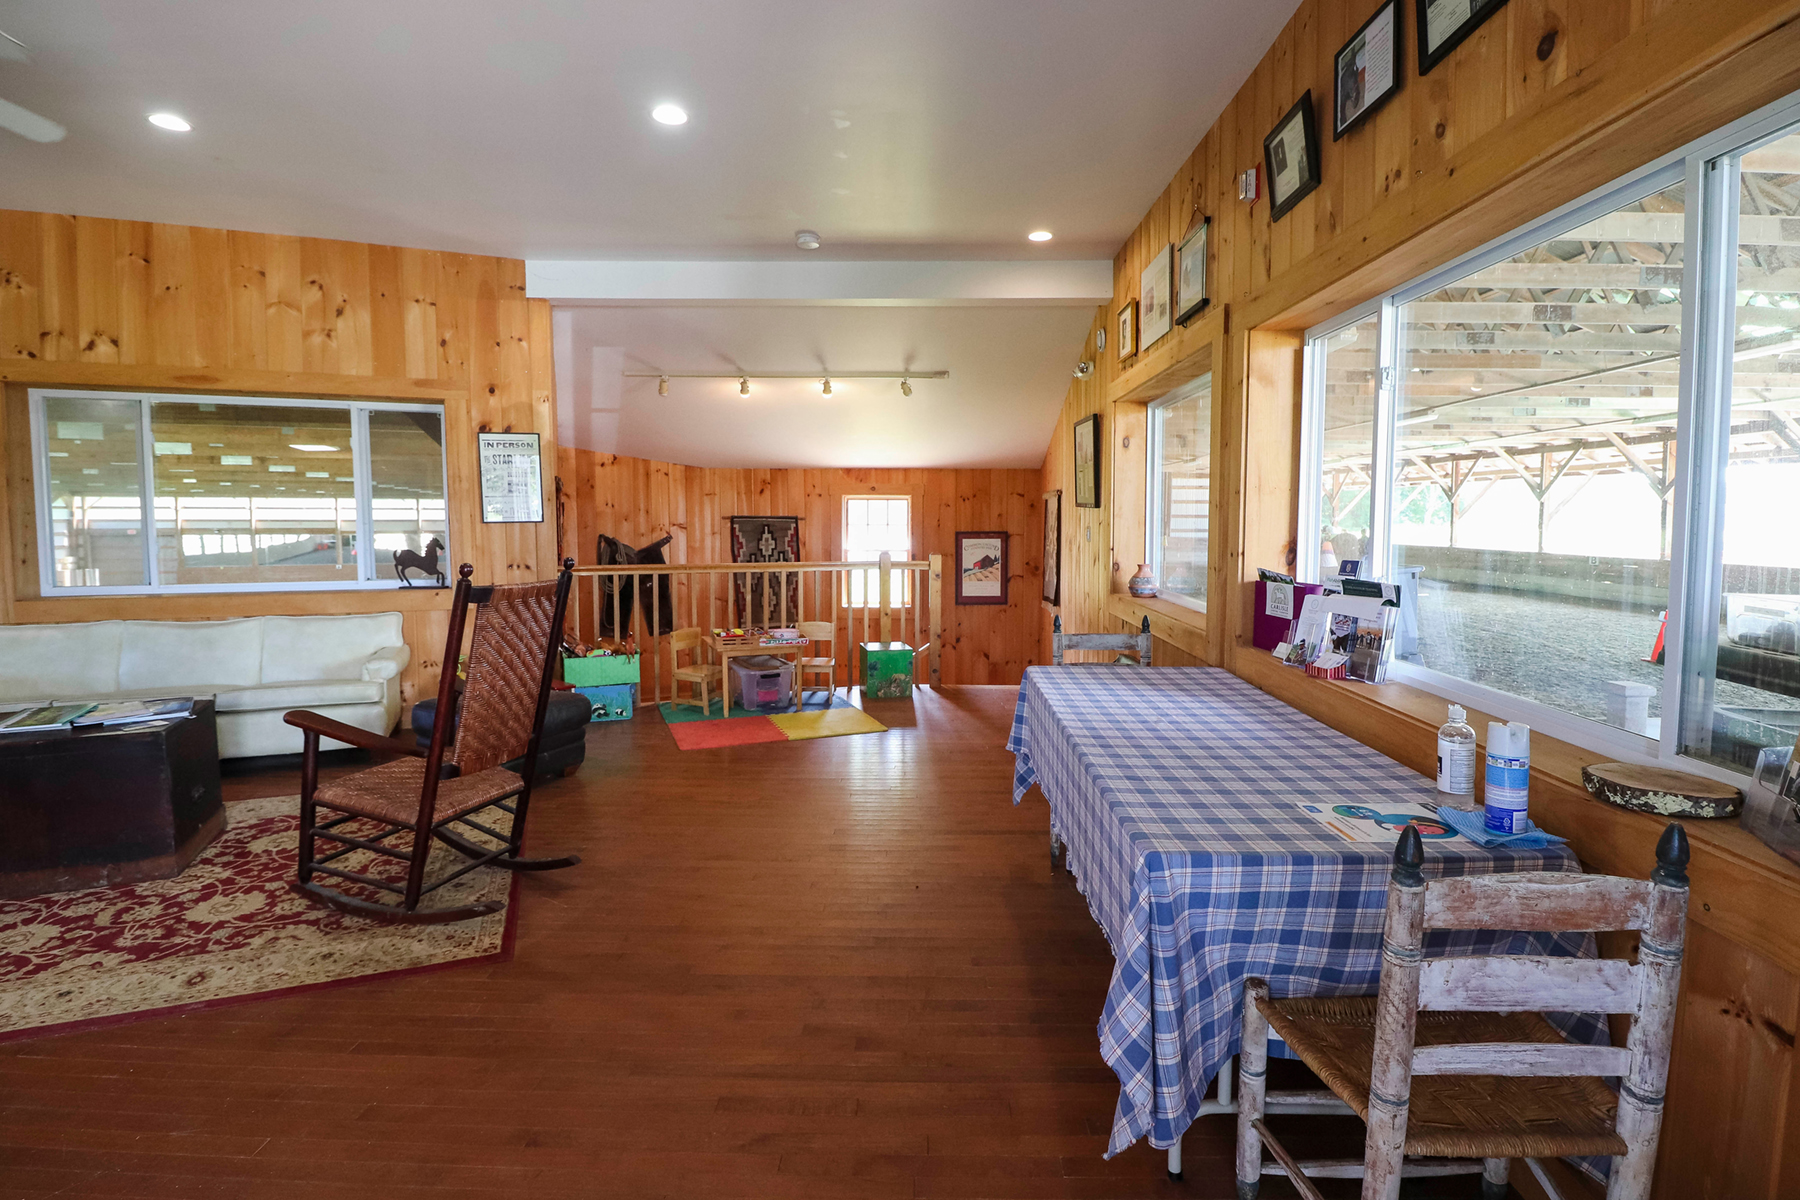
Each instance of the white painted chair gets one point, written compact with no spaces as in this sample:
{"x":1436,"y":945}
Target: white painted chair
{"x":1452,"y":1062}
{"x":1135,"y":644}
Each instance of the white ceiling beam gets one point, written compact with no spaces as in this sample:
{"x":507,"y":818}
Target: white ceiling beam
{"x":897,"y":282}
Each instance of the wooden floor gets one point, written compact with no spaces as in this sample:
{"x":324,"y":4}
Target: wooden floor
{"x":838,"y":968}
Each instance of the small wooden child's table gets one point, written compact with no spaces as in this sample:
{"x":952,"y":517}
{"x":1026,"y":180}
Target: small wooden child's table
{"x":728,"y":649}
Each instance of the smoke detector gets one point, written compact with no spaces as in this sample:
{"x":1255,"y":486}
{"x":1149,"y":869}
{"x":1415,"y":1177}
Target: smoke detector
{"x":806,"y":239}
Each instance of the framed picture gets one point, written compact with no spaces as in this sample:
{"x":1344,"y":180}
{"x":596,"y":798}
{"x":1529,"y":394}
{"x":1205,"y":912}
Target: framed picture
{"x":1087,"y":462}
{"x":981,"y":568}
{"x":1367,"y":69}
{"x":1156,"y":310}
{"x":1190,"y":272}
{"x":1053,"y":548}
{"x":1443,"y":24}
{"x":512,"y":478}
{"x":1291,"y":155}
{"x":1127,"y":338}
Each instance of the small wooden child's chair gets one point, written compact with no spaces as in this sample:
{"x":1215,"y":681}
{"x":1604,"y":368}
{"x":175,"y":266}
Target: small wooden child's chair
{"x":818,"y":633}
{"x":1452,"y":1060}
{"x":700,"y":676}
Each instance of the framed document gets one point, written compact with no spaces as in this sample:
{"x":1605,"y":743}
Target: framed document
{"x":1291,"y":157}
{"x":1127,"y":338}
{"x":1443,"y":24}
{"x":1087,"y":461}
{"x":1190,"y":273}
{"x":1367,"y":69}
{"x":512,"y":478}
{"x":1156,"y":312}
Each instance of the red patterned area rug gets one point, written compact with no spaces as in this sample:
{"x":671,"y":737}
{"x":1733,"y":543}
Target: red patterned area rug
{"x":226,"y":929}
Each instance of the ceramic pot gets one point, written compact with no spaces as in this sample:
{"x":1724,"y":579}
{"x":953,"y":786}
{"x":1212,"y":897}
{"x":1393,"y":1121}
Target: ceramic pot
{"x":1143,"y":584}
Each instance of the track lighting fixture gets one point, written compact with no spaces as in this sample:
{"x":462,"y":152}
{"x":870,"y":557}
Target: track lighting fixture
{"x":744,"y":385}
{"x":906,"y":387}
{"x":824,"y":381}
{"x":825,"y":387}
{"x":662,"y":386}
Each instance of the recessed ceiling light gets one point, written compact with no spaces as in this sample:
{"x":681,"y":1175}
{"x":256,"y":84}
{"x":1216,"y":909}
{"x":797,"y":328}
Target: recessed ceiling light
{"x":169,"y":121}
{"x":1039,"y":235}
{"x":669,"y":114}
{"x":313,"y":446}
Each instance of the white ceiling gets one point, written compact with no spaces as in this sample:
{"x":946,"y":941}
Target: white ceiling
{"x":909,"y":128}
{"x":933,"y":130}
{"x":991,"y":412}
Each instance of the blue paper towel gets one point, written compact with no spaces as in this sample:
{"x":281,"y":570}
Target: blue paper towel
{"x":1472,"y":826}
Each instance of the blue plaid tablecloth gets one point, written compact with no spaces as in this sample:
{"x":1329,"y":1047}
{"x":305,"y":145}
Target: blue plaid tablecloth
{"x":1175,"y":790}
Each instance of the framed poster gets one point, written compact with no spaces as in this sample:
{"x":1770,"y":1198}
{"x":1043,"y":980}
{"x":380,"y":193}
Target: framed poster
{"x":1156,"y":310}
{"x":512,"y":478}
{"x":1053,"y":548}
{"x":1366,"y":70}
{"x":1087,"y":462}
{"x":1444,"y":24}
{"x":1190,"y":272}
{"x":1128,"y":330}
{"x":1291,"y":155}
{"x":981,"y":568}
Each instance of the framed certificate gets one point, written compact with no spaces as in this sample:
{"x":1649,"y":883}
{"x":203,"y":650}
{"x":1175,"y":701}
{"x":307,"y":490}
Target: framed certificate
{"x":1367,"y":69}
{"x":512,"y":478}
{"x":1443,"y":24}
{"x":1291,"y":157}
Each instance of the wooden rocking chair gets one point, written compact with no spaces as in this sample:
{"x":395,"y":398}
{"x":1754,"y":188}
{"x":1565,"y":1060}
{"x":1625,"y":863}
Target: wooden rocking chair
{"x":518,"y":629}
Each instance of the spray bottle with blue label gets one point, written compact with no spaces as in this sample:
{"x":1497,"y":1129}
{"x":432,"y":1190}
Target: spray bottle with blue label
{"x":1508,"y":777}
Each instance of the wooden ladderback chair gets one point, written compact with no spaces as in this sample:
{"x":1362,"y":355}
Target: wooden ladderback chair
{"x":700,"y":676}
{"x":1136,"y":644}
{"x":1453,"y":1059}
{"x":429,"y":793}
{"x":818,"y":633}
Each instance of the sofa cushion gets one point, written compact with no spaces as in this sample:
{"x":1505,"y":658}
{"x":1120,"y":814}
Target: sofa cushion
{"x":177,"y":654}
{"x":47,"y":661}
{"x":325,"y":647}
{"x":316,"y":693}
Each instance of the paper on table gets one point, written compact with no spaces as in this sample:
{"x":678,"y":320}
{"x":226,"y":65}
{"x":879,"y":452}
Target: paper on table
{"x":1379,"y":823}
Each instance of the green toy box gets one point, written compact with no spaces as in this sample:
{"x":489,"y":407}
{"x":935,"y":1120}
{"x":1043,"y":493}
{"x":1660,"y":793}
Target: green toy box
{"x":887,"y":670}
{"x":600,"y":670}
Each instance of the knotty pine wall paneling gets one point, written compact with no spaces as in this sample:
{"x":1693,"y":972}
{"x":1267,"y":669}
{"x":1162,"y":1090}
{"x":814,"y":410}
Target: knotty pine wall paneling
{"x":90,"y":302}
{"x":639,"y":500}
{"x":1542,"y":104}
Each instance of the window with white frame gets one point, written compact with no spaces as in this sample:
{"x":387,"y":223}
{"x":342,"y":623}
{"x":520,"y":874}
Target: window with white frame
{"x":1578,"y":451}
{"x":873,"y":524}
{"x":1179,"y":454}
{"x":154,"y":492}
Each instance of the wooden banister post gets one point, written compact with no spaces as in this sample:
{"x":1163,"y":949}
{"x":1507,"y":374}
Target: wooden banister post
{"x":937,"y":619}
{"x":885,"y":587}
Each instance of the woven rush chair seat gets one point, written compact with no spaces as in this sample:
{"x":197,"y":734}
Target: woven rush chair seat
{"x":389,"y":792}
{"x":1455,"y":1116}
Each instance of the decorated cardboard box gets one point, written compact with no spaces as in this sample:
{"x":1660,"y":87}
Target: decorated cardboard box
{"x":887,"y":670}
{"x":600,"y":669}
{"x":611,"y":701}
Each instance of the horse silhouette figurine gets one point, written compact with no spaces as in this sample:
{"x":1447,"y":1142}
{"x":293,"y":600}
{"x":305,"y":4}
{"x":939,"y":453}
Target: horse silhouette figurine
{"x":426,"y":562}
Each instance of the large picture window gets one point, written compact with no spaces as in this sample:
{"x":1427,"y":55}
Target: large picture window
{"x":1578,"y":451}
{"x":1180,"y":458}
{"x":239,"y":493}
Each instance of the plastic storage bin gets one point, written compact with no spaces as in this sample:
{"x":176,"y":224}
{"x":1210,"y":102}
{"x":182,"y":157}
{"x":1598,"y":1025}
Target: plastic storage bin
{"x":762,"y":682}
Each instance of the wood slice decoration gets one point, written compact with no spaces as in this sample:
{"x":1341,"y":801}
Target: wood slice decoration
{"x":1662,"y":792}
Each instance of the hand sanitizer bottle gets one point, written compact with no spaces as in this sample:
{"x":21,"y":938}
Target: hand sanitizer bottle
{"x":1508,"y":777}
{"x":1456,"y":762}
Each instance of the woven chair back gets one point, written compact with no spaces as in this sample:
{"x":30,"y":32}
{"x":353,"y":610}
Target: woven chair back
{"x":505,"y":674}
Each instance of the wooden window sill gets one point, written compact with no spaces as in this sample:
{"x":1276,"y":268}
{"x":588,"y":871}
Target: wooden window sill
{"x":1176,"y":624}
{"x":1741,"y":888}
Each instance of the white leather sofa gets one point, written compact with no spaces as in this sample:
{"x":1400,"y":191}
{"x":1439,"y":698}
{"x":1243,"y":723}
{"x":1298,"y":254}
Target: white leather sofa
{"x":343,"y":667}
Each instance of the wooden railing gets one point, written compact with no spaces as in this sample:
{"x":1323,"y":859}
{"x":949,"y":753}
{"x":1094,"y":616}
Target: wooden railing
{"x":864,"y":602}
